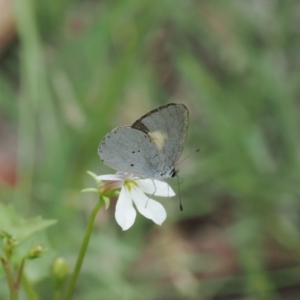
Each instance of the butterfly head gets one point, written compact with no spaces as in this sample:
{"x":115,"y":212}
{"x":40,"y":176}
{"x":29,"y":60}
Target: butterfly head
{"x":174,"y":172}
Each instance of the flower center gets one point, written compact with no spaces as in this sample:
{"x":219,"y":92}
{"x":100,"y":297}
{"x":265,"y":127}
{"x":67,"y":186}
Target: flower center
{"x":128,"y":183}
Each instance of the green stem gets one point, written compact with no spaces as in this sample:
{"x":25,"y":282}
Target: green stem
{"x":29,"y":290}
{"x":82,"y":251}
{"x":17,"y":284}
{"x":14,"y":295}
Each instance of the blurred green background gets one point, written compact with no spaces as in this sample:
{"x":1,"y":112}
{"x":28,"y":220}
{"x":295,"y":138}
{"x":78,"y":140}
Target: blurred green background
{"x":71,"y":71}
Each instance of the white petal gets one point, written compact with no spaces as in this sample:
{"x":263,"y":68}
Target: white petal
{"x":155,"y":187}
{"x":110,"y":177}
{"x":149,"y":208}
{"x":125,"y":213}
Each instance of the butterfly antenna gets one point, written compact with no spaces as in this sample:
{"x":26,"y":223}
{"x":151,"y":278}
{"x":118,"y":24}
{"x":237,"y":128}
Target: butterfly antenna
{"x":179,"y":194}
{"x":191,"y":154}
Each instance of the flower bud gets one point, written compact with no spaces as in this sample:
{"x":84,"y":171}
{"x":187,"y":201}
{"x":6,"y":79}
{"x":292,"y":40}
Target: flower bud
{"x":35,"y":252}
{"x":60,"y":269}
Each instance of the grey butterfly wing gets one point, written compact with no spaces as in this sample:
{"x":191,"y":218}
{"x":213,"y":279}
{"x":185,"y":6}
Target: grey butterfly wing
{"x":152,"y":146}
{"x":129,"y":150}
{"x":166,"y":126}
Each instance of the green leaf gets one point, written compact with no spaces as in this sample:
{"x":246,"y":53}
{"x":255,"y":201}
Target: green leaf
{"x":12,"y":224}
{"x":25,"y":229}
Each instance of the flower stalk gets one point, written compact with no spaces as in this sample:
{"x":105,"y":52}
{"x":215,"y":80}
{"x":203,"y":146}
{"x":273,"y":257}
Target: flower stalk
{"x":83,"y":248}
{"x":14,"y":295}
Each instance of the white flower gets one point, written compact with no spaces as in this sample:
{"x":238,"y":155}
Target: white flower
{"x":133,"y":190}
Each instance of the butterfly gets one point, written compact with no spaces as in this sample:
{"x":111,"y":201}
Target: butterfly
{"x":151,"y":146}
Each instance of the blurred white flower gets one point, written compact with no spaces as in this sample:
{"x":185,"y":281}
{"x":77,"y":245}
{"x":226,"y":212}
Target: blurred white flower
{"x":133,"y":190}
